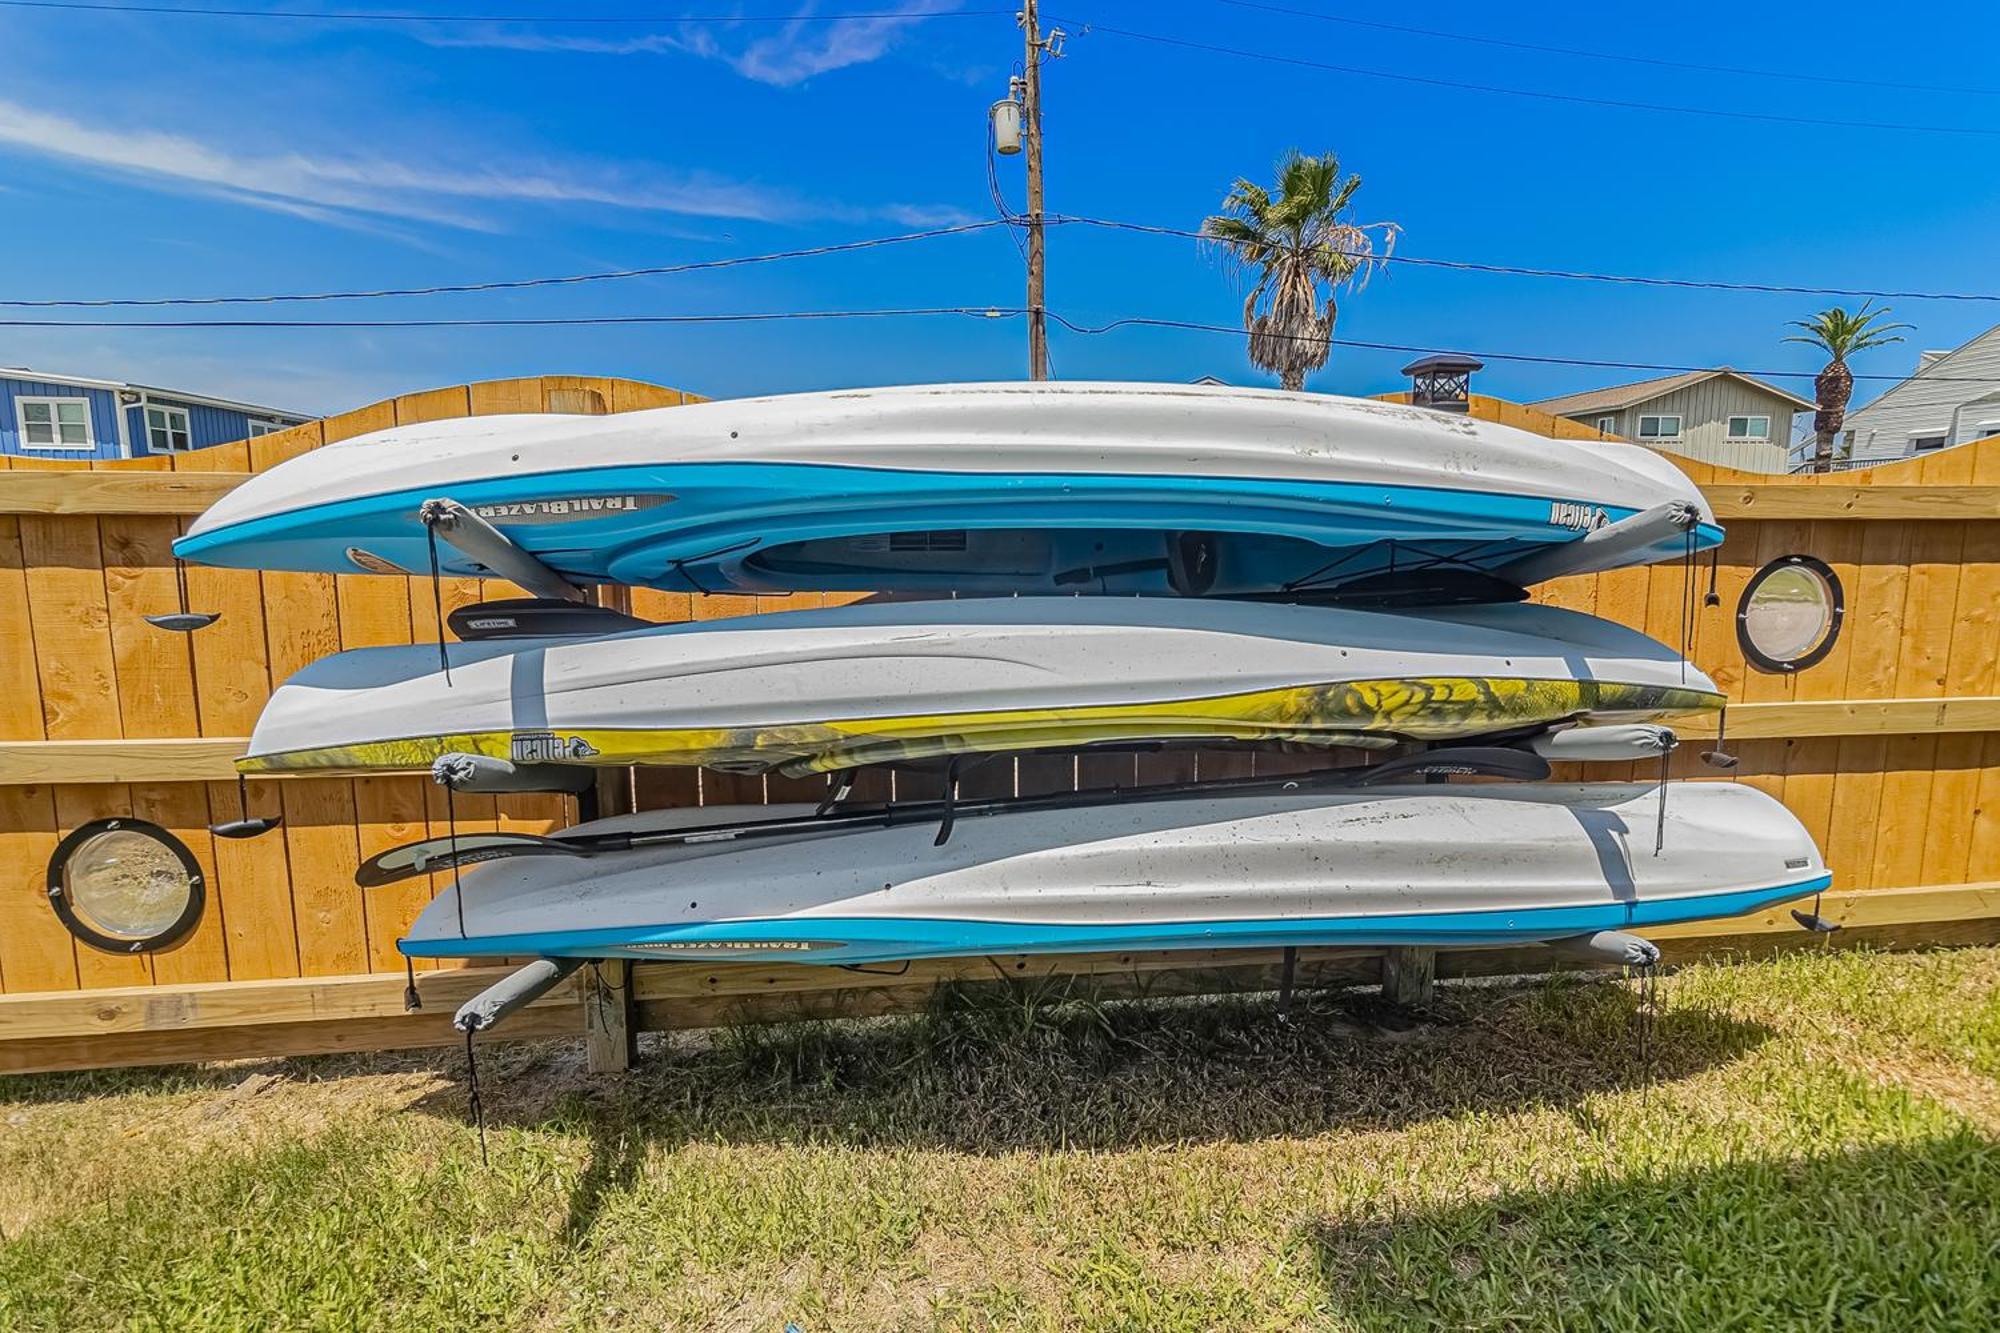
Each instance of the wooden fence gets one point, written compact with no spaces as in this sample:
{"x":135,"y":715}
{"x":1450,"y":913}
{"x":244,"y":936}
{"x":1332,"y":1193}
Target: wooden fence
{"x":1889,"y":750}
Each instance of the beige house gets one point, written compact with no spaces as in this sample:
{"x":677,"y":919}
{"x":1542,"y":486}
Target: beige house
{"x":1952,"y":398}
{"x":1718,"y":416}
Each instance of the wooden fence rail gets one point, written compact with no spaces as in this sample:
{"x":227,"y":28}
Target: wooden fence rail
{"x":1888,"y":749}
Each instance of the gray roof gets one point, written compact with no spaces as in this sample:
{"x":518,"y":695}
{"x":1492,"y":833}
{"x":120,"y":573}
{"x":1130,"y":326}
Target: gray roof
{"x":1618,"y":397}
{"x":1446,"y":361}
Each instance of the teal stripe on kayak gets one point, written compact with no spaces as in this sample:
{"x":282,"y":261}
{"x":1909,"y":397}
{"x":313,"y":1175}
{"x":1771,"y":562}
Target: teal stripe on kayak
{"x":772,"y":503}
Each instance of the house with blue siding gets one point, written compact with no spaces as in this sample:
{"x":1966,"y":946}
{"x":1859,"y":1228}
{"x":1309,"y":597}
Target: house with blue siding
{"x":72,"y":416}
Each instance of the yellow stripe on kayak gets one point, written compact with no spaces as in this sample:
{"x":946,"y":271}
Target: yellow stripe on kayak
{"x":1369,"y":712}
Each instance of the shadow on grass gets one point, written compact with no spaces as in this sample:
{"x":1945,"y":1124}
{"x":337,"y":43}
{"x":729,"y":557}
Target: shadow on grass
{"x":1011,"y":1068}
{"x":1900,"y":1236}
{"x":617,"y":1148}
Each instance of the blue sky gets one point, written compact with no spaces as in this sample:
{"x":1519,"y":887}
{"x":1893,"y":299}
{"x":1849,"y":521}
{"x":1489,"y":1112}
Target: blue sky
{"x":154,"y":155}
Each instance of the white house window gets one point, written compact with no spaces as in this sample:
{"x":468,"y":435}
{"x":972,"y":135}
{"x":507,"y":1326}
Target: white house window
{"x":264,"y":428}
{"x":1926,"y":442}
{"x":167,"y":429}
{"x":1660,"y":428}
{"x":1987,"y":428}
{"x":1607,"y":425}
{"x":54,"y":423}
{"x":1749,"y":428}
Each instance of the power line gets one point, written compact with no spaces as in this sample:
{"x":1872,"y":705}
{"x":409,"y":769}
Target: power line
{"x":550,"y":321}
{"x":1575,"y":99}
{"x":1572,"y":275}
{"x":518,"y":284}
{"x":963,"y":311}
{"x":348,"y":16}
{"x":1008,"y":219}
{"x":1143,"y":321}
{"x":1624,"y":57}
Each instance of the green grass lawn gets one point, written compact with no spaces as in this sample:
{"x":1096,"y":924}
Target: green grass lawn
{"x":1818,"y":1147}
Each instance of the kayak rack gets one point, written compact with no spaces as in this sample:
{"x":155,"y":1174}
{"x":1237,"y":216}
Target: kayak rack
{"x":484,"y":1011}
{"x":1605,"y":547}
{"x":514,"y":991}
{"x":473,"y":537}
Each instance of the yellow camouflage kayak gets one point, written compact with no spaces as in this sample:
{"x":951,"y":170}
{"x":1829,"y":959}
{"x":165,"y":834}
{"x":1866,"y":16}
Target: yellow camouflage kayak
{"x":822,"y":690}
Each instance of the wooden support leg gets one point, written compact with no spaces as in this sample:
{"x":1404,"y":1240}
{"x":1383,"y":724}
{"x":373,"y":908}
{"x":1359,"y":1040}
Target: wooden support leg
{"x":1408,"y":974}
{"x":610,"y":1040}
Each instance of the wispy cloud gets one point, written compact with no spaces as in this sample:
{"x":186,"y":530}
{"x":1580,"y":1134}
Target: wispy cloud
{"x":789,"y":55}
{"x":288,"y":183}
{"x":354,"y":190}
{"x":800,"y":50}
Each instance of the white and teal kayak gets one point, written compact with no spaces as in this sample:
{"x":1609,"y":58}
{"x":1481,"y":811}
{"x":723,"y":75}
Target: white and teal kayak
{"x":998,"y":488}
{"x":1445,"y":865}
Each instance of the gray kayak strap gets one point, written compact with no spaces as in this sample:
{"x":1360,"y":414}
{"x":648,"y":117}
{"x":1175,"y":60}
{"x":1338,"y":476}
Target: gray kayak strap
{"x":483,"y":774}
{"x":1609,"y":946}
{"x":1611,"y":744}
{"x":476,"y":539}
{"x":1608,"y":547}
{"x":516,"y":989}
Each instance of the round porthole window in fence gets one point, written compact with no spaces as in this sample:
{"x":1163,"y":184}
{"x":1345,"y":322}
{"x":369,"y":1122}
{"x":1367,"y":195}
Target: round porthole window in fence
{"x":1790,"y":614}
{"x":125,"y":886}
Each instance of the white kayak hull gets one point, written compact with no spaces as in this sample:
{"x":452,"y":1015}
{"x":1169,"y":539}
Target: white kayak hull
{"x":839,"y":687}
{"x":1452,"y":865}
{"x":1002,"y":488}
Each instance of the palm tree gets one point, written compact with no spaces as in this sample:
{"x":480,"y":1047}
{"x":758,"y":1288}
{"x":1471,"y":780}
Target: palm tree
{"x":1840,"y":335}
{"x":1299,"y":249}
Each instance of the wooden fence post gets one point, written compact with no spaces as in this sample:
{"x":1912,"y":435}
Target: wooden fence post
{"x":1408,"y":976}
{"x":610,"y":1038}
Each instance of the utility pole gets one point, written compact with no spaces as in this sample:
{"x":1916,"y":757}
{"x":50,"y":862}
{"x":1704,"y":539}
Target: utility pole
{"x":1031,"y":96}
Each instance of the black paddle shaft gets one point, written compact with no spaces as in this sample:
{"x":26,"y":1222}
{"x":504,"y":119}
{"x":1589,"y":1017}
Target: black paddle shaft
{"x":413,"y":859}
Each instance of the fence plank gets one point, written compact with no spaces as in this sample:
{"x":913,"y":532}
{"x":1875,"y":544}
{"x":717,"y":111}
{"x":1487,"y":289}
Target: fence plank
{"x":322,"y":841}
{"x":433,"y":405}
{"x":93,"y":493}
{"x":490,"y":397}
{"x":154,"y":667}
{"x":77,"y":805}
{"x":389,"y":812}
{"x":20,"y":685}
{"x":72,"y":627}
{"x":164,"y":759}
{"x":232,"y":667}
{"x":253,"y":887}
{"x":36,"y":952}
{"x":182,"y":809}
{"x":1790,"y":500}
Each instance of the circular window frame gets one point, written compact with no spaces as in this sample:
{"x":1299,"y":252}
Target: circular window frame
{"x":66,"y":911}
{"x":1837,"y":613}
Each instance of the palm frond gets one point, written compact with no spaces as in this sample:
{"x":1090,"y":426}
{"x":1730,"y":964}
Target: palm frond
{"x":1839,"y":332}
